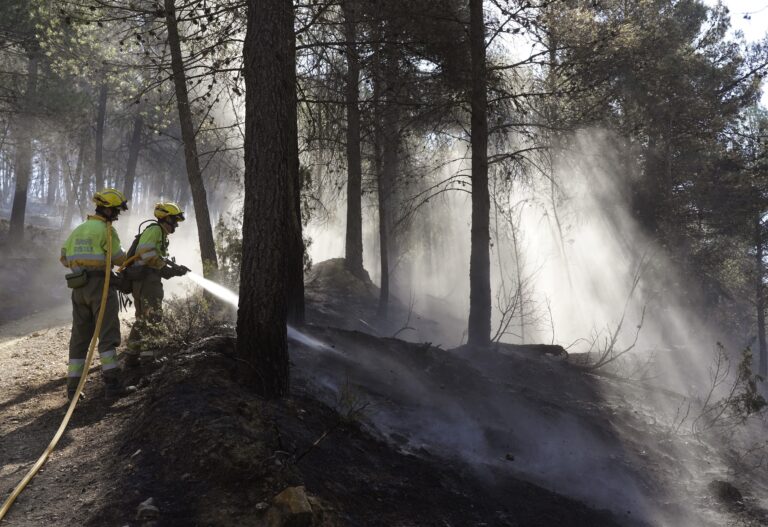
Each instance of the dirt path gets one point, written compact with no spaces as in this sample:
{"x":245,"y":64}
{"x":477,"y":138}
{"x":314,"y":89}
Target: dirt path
{"x":32,"y":403}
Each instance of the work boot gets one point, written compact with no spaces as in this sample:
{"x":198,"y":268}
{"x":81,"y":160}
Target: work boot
{"x":113,"y":389}
{"x":148,"y":363}
{"x":71,"y":394}
{"x":131,"y":360}
{"x":72,"y":383}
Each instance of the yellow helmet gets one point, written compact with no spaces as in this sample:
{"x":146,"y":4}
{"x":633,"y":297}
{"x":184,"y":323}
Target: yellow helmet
{"x":110,"y":198}
{"x":166,"y":209}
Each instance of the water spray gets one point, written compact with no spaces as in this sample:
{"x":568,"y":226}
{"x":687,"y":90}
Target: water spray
{"x":232,"y":298}
{"x":217,"y":290}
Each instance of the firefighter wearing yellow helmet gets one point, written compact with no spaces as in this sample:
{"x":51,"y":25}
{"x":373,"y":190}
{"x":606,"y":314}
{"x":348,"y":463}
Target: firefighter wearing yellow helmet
{"x":84,"y":253}
{"x":146,"y":273}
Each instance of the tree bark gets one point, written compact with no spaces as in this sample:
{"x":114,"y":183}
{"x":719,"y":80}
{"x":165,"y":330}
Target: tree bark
{"x":353,"y":254}
{"x":760,"y":297}
{"x":70,"y":187}
{"x":199,"y":198}
{"x":270,"y":159}
{"x":54,"y":175}
{"x":98,"y":155}
{"x":23,"y":164}
{"x":133,"y":156}
{"x":379,"y":138}
{"x":479,"y":327}
{"x":295,"y":255}
{"x":390,"y":159}
{"x":80,"y":173}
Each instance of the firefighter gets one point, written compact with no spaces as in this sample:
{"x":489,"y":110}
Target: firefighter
{"x":84,"y":253}
{"x":146,"y":274}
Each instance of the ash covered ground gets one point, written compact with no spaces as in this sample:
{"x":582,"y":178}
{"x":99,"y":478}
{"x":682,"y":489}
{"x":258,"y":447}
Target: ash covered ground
{"x":377,"y":431}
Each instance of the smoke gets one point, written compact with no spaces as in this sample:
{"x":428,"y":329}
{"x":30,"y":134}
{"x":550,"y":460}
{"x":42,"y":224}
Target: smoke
{"x":570,"y":266}
{"x":573,"y":265}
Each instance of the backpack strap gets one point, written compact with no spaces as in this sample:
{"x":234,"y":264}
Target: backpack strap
{"x":135,"y":244}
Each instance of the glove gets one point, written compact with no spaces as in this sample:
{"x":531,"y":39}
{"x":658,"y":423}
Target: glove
{"x":171,"y":270}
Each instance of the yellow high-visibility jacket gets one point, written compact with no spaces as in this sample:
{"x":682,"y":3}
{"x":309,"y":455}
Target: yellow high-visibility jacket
{"x":152,"y":248}
{"x":86,"y":247}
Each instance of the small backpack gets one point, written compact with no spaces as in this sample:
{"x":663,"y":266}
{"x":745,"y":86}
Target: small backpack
{"x":133,"y":273}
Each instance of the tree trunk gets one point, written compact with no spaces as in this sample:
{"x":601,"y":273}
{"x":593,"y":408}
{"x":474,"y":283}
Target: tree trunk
{"x":98,"y":155}
{"x":270,"y":148}
{"x":55,"y":173}
{"x":133,"y":156}
{"x":649,"y":193}
{"x":353,"y":253}
{"x":70,"y":187}
{"x":23,"y":165}
{"x":479,"y":328}
{"x":295,"y":251}
{"x":199,"y":198}
{"x":80,"y":176}
{"x":760,"y":297}
{"x":379,"y":138}
{"x":389,"y":166}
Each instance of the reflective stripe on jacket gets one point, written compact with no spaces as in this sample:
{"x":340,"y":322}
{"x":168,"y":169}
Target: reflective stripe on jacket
{"x":153,"y":247}
{"x":86,"y":247}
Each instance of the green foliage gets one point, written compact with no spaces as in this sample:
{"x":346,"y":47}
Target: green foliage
{"x":186,"y":320}
{"x":747,"y":400}
{"x":229,"y":248}
{"x":350,"y":404}
{"x":733,"y":396}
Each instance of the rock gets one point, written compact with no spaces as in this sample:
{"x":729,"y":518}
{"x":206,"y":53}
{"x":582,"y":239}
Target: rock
{"x":290,"y":508}
{"x":147,"y":510}
{"x":323,"y":514}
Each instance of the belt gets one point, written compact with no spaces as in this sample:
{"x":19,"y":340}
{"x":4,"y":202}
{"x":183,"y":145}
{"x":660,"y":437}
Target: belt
{"x":95,"y":273}
{"x":144,"y":269}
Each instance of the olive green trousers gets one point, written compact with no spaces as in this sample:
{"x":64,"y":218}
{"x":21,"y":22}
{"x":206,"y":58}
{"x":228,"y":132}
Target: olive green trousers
{"x":86,"y":302}
{"x":148,"y":300}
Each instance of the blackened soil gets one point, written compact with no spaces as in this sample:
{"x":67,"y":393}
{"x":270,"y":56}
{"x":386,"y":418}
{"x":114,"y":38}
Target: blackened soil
{"x":209,"y":452}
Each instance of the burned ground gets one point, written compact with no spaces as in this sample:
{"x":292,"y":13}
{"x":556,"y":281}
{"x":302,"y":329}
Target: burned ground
{"x":379,"y":431}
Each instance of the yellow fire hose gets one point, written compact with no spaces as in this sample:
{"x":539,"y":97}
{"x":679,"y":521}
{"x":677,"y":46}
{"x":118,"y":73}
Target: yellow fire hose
{"x":44,"y":457}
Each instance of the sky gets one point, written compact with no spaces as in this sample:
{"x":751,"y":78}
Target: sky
{"x":756,"y":26}
{"x":750,"y":17}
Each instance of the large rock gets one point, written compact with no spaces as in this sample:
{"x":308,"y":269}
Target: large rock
{"x":331,"y":277}
{"x":290,"y":508}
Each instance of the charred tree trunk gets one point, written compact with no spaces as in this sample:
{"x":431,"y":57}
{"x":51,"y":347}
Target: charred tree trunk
{"x":479,"y":328}
{"x":133,"y":156}
{"x":379,"y":138}
{"x":353,"y":250}
{"x":199,"y":198}
{"x":760,"y":297}
{"x":295,"y":252}
{"x":389,"y":166}
{"x":270,"y":139}
{"x":23,"y":164}
{"x":98,"y":154}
